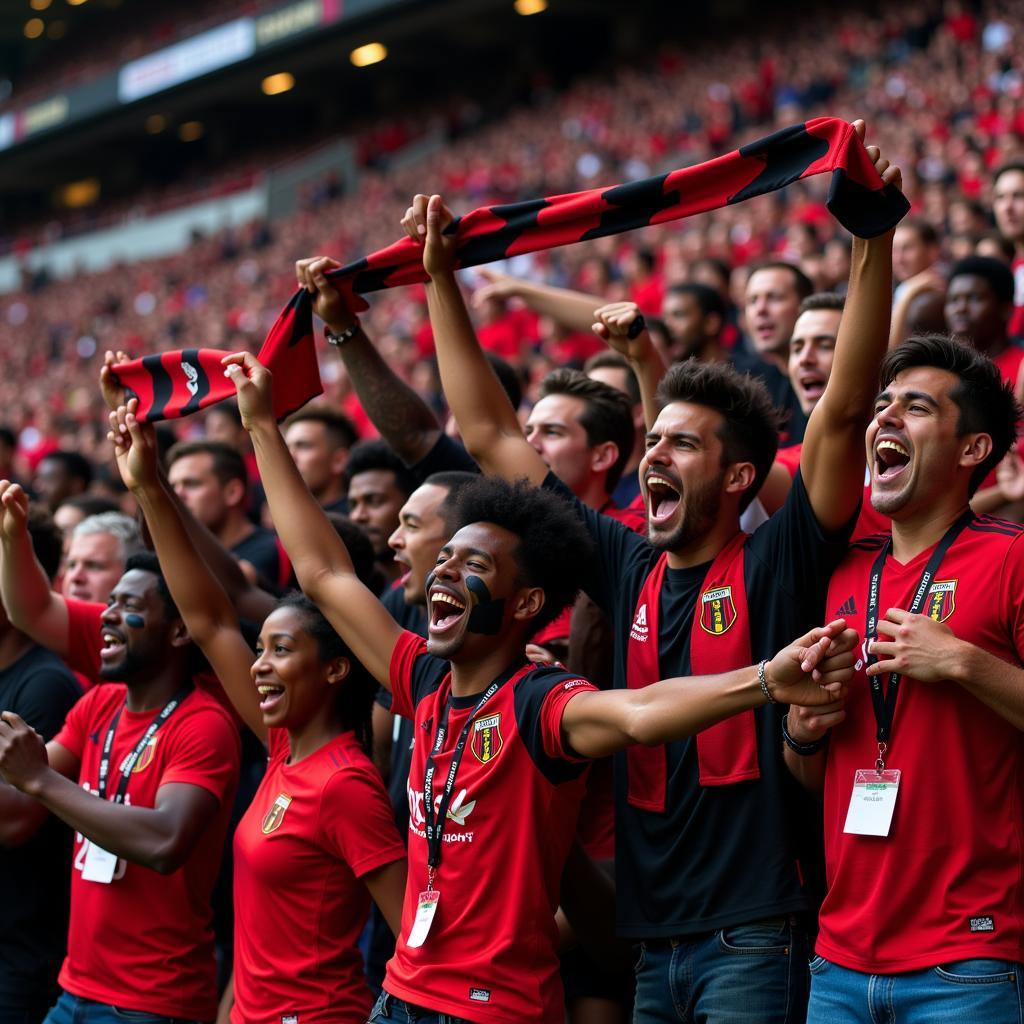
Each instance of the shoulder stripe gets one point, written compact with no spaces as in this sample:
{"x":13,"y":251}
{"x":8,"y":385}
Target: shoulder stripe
{"x":996,"y":530}
{"x":997,"y":521}
{"x":872,"y":542}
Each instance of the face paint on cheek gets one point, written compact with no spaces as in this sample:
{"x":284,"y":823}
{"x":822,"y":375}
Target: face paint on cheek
{"x":133,"y":621}
{"x":487,"y":614}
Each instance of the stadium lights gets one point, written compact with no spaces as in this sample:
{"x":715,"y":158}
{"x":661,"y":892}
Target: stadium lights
{"x":34,"y":28}
{"x":371,"y":53}
{"x":155,"y":124}
{"x":80,"y":193}
{"x":274,"y":85}
{"x":528,"y":7}
{"x":39,"y":5}
{"x":190,"y":131}
{"x":75,"y":3}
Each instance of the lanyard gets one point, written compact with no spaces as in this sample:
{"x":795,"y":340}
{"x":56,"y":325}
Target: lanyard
{"x":129,"y":762}
{"x":435,"y":821}
{"x":884,"y":704}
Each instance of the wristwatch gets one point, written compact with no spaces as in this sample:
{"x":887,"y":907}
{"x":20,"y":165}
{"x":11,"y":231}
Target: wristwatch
{"x":339,"y":339}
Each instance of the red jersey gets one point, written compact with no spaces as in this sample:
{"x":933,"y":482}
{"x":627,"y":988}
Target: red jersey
{"x":868,"y":520}
{"x":144,"y":942}
{"x":1016,"y":328}
{"x":490,"y":955}
{"x":947,"y":883}
{"x":312,"y":831}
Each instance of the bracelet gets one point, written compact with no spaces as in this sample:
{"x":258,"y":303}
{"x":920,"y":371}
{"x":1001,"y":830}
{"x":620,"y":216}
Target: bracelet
{"x":339,"y":339}
{"x":763,"y":681}
{"x":803,"y":749}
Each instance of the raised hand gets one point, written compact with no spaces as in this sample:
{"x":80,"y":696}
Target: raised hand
{"x":499,"y":286}
{"x":328,"y":302}
{"x":891,"y":175}
{"x":110,"y":387}
{"x":135,"y":448}
{"x":13,"y":510}
{"x":621,"y":324}
{"x":425,"y":222}
{"x":254,"y":384}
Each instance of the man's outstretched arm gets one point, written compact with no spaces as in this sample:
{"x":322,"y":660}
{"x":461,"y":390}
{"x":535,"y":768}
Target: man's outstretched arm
{"x":404,"y":420}
{"x":486,"y":419}
{"x":574,"y":310}
{"x":832,"y":457}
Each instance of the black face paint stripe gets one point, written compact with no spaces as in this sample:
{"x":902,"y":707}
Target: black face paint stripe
{"x":134,"y":621}
{"x":487,"y":614}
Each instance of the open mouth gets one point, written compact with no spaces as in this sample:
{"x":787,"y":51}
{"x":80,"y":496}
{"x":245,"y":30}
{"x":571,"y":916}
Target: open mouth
{"x":113,"y":646}
{"x":812,"y":385}
{"x":663,"y":498}
{"x":445,"y":611}
{"x":270,"y":694}
{"x":891,"y":459}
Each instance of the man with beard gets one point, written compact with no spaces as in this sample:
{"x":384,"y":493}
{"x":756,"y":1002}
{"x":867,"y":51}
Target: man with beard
{"x":504,"y":742}
{"x":921,"y":922}
{"x":162,"y":756}
{"x":706,"y":862}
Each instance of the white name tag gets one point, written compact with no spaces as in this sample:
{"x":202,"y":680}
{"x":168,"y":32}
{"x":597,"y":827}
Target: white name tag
{"x":99,"y":865}
{"x":872,"y":802}
{"x":426,"y":908}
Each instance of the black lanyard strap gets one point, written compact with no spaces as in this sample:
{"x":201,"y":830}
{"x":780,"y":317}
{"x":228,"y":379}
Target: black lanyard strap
{"x":884,"y":704}
{"x":128,"y":764}
{"x":435,"y":821}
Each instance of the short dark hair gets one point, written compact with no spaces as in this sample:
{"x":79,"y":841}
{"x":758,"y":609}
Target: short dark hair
{"x":1012,"y":165}
{"x":360,"y":548}
{"x":508,"y":378}
{"x":77,"y":466}
{"x":90,"y":504}
{"x":367,"y":456}
{"x":832,"y":301}
{"x":356,"y":692}
{"x":996,"y":273}
{"x":615,"y":361}
{"x":47,"y":541}
{"x":801,"y":282}
{"x":986,"y":402}
{"x":453,"y":481}
{"x":228,"y":463}
{"x":554,"y":546}
{"x":706,"y":297}
{"x":146,"y":561}
{"x":228,"y":409}
{"x":924,"y":230}
{"x":750,"y":428}
{"x":607,"y":414}
{"x":339,"y":429}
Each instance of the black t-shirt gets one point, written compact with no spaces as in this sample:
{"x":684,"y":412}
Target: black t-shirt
{"x":35,"y":877}
{"x":781,"y":390}
{"x":446,"y":455}
{"x":262,"y":550}
{"x":722,"y":855}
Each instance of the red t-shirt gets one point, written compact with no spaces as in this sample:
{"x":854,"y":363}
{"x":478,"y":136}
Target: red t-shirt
{"x":1017,"y":320}
{"x":868,"y":521}
{"x":490,"y":955}
{"x":947,"y":883}
{"x":311,"y":832}
{"x":144,"y":942}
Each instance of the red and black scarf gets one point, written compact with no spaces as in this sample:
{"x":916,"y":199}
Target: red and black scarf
{"x":719,"y":642}
{"x":857,"y":198}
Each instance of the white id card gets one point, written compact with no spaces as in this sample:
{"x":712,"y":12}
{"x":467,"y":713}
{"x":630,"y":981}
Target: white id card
{"x":99,"y":865}
{"x":872,"y":802}
{"x":426,"y":908}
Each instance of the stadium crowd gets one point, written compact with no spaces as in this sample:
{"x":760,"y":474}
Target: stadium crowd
{"x":567,"y":660}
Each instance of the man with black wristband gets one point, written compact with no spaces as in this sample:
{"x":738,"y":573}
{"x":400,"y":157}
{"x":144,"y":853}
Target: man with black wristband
{"x":921,"y":766}
{"x":145,"y":772}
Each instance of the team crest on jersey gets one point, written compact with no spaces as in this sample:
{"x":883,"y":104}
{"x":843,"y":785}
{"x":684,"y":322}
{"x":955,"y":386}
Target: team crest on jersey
{"x":273,"y":818}
{"x":941,"y":600}
{"x":717,"y":611}
{"x":487,"y":742}
{"x":146,"y":757}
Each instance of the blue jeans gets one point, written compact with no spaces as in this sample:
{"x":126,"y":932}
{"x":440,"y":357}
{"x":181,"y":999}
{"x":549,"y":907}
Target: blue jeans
{"x":750,"y":974}
{"x":75,"y":1010}
{"x":961,"y":992}
{"x":389,"y":1010}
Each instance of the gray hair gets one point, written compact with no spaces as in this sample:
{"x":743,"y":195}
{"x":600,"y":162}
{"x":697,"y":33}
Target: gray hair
{"x":118,"y":525}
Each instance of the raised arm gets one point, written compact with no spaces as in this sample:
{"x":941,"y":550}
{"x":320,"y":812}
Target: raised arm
{"x":621,"y":324}
{"x":32,"y":606}
{"x":205,"y":608}
{"x":812,"y":670}
{"x":486,"y":419}
{"x":404,"y":420}
{"x":574,"y":310}
{"x":832,"y":458}
{"x":318,"y":555}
